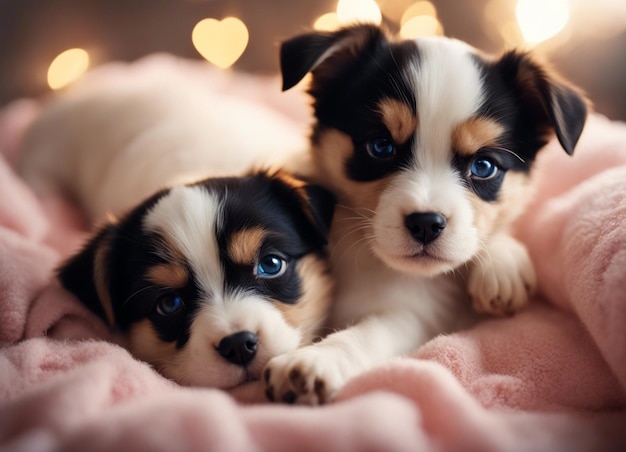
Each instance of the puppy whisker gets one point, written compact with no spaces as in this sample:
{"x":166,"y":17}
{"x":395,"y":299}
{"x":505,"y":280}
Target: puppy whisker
{"x":360,"y":245}
{"x":357,"y":229}
{"x":137,"y":292}
{"x":357,"y":211}
{"x":510,"y":152}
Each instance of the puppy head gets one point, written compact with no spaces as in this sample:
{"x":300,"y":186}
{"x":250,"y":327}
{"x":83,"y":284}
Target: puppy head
{"x":428,"y":140}
{"x":209,"y":281}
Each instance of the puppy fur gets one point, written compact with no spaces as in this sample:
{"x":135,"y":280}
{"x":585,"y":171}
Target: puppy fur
{"x":429,"y":147}
{"x":125,"y":131}
{"x":204,"y":278}
{"x":181,"y":276}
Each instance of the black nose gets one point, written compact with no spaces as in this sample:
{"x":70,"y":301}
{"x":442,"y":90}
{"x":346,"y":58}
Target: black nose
{"x":239,"y":348}
{"x":425,"y":226}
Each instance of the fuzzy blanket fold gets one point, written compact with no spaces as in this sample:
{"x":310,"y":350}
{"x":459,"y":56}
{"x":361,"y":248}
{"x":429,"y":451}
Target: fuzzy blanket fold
{"x":551,"y":378}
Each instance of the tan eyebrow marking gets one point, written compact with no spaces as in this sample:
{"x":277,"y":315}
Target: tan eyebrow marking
{"x":398,"y":118}
{"x":172,"y":275}
{"x":475,"y":133}
{"x":243,"y":247}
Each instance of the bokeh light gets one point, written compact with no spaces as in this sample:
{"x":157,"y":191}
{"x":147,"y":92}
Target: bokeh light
{"x":220,"y":42}
{"x":67,"y":67}
{"x":327,"y":22}
{"x":351,"y":11}
{"x":421,"y":8}
{"x":540,"y":20}
{"x":419,"y":26}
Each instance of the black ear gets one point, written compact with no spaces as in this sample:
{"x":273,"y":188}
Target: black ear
{"x":554,"y":102}
{"x":311,"y":205}
{"x":308,"y":52}
{"x":86,"y":274}
{"x":322,"y":207}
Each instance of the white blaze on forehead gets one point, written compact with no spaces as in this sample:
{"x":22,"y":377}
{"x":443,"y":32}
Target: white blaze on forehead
{"x":189,"y":218}
{"x":448,"y":90}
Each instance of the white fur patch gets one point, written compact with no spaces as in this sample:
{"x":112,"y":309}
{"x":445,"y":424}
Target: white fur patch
{"x":189,"y":218}
{"x":199,"y":362}
{"x":448,"y":90}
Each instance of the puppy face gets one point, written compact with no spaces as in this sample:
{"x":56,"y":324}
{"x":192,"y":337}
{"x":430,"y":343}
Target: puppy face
{"x":428,"y":142}
{"x":209,"y":281}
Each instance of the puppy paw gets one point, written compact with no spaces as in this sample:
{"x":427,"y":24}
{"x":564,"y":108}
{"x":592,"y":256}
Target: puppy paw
{"x":501,"y":278}
{"x":307,"y":376}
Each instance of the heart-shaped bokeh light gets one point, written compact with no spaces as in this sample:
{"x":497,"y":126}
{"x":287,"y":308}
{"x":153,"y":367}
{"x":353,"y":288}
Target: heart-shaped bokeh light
{"x":220,"y":42}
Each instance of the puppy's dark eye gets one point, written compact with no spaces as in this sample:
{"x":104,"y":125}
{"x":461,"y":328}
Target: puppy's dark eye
{"x":381,"y":148}
{"x":483,"y":168}
{"x":169,"y":304}
{"x":271,"y":266}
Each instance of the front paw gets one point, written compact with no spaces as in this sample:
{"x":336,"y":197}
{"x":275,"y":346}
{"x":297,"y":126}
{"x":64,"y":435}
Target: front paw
{"x":307,"y":376}
{"x":501,"y":278}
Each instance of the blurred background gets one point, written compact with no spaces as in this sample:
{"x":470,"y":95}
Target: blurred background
{"x":45,"y":45}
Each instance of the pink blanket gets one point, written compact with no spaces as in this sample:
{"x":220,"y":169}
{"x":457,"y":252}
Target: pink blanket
{"x":550,"y":378}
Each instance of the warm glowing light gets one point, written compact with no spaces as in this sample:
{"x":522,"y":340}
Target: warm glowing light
{"x":327,"y":22}
{"x":350,"y":11}
{"x":419,"y":26}
{"x":540,"y":20}
{"x":423,"y":8}
{"x":67,"y":67}
{"x":600,"y":19}
{"x":393,"y":9}
{"x":511,"y":33}
{"x":220,"y":42}
{"x":497,"y":11}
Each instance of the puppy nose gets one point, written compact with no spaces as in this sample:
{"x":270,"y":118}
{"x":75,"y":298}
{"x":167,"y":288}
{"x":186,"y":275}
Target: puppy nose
{"x":425,"y":226}
{"x":239,"y":348}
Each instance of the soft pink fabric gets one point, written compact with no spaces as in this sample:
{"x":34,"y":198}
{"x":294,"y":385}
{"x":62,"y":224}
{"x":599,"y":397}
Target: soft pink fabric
{"x":551,"y":378}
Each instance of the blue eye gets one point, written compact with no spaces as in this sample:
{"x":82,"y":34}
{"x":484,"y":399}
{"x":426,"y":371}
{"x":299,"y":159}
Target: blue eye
{"x":271,"y":266}
{"x":169,"y":304}
{"x":483,"y":168}
{"x":381,"y":148}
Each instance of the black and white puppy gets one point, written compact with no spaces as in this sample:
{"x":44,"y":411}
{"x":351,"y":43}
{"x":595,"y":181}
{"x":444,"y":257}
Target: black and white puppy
{"x":206,"y":279}
{"x":429,"y":147}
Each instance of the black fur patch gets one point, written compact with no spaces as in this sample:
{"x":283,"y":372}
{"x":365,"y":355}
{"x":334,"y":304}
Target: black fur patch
{"x":349,"y":103}
{"x":256,"y":200}
{"x":365,"y":67}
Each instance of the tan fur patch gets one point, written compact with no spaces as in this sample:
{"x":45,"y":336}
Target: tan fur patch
{"x":243,"y":247}
{"x":398,"y":118}
{"x":309,"y":313}
{"x":101,"y":280}
{"x":289,"y":179}
{"x":515,"y":193}
{"x":475,"y":133}
{"x":172,"y":275}
{"x":330,"y":156}
{"x":145,"y":344}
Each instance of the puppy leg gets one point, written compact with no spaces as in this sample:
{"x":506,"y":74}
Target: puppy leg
{"x":312,"y":375}
{"x":501,"y":277}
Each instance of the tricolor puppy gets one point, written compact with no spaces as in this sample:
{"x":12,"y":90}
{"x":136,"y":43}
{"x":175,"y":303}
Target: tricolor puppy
{"x":206,"y":280}
{"x":429,"y":147}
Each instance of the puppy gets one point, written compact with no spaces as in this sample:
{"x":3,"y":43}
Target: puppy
{"x":208,"y":281}
{"x":126,"y":131}
{"x":205,"y":280}
{"x":429,"y":147}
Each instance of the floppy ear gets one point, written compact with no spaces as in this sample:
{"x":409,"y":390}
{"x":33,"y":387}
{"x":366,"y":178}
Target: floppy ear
{"x":312,"y":204}
{"x":86,"y":274}
{"x":309,"y":52}
{"x":553,"y":102}
{"x":321,"y":203}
